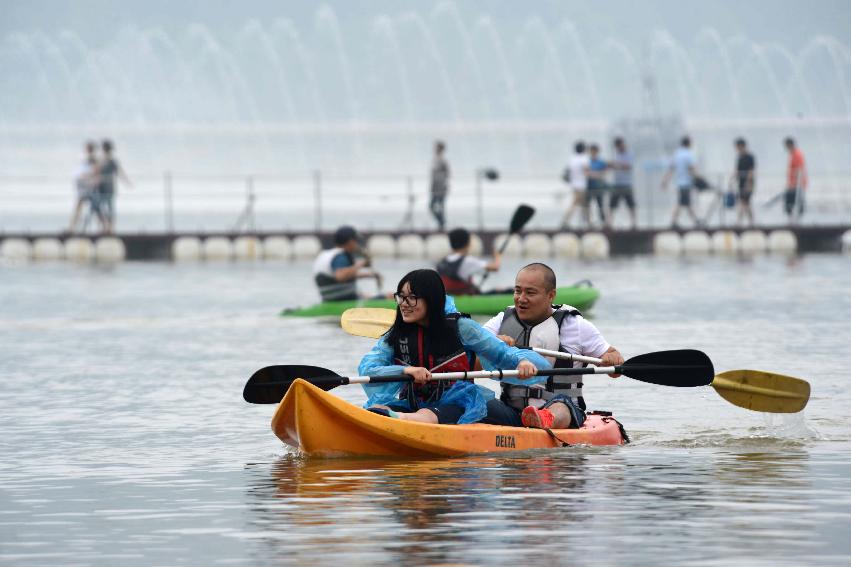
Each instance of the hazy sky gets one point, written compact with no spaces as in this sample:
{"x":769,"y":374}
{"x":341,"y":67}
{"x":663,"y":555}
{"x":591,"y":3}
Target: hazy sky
{"x":789,"y":22}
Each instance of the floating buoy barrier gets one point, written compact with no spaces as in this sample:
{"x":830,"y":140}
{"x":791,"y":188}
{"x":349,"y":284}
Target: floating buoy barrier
{"x":247,"y":248}
{"x":186,"y":249}
{"x":725,"y":242}
{"x":110,"y":249}
{"x":668,"y":243}
{"x":566,"y":245}
{"x":514,"y":249}
{"x":48,"y":249}
{"x":437,"y":246}
{"x":79,"y":249}
{"x":410,"y":246}
{"x":381,"y":246}
{"x":306,"y":247}
{"x":537,"y":245}
{"x":217,"y":248}
{"x":476,"y":246}
{"x":696,"y":242}
{"x":277,"y":248}
{"x":753,"y":242}
{"x":16,"y":249}
{"x":594,"y":245}
{"x":782,"y":242}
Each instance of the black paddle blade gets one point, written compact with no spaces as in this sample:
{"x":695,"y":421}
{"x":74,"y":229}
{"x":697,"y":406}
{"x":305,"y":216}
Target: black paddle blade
{"x":520,"y":218}
{"x":269,"y":385}
{"x":681,"y":368}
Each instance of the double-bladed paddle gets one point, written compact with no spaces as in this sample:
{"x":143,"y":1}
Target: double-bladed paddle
{"x":750,"y":389}
{"x":683,"y":368}
{"x":521,"y":216}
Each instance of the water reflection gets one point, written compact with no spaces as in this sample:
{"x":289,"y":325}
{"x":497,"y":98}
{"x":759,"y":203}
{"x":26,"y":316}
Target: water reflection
{"x":434,"y":510}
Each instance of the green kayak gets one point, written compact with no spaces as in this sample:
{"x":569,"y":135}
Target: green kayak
{"x":580,"y":296}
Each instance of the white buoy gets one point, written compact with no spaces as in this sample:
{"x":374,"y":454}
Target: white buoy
{"x":566,"y":245}
{"x":277,"y":248}
{"x":186,"y":249}
{"x":782,"y":242}
{"x":16,"y":249}
{"x":217,"y":248}
{"x":696,"y":242}
{"x":247,"y":248}
{"x":306,"y":247}
{"x":381,"y":246}
{"x":537,"y":245}
{"x":410,"y":246}
{"x":594,"y":245}
{"x":753,"y":242}
{"x":476,"y":246}
{"x":514,"y":249}
{"x":48,"y":249}
{"x":846,"y":241}
{"x":668,"y":243}
{"x":725,"y":242}
{"x":78,"y":249}
{"x":110,"y":249}
{"x":437,"y":246}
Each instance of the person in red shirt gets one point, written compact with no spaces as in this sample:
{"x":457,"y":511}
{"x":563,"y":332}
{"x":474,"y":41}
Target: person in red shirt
{"x":796,"y":180}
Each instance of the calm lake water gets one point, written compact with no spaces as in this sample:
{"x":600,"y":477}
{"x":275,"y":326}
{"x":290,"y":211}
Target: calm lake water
{"x":125,"y":438}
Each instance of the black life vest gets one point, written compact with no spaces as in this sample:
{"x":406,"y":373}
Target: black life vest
{"x":448,"y":271}
{"x":444,"y":353}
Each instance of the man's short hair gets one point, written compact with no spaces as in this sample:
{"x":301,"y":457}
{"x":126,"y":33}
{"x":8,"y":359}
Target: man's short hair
{"x":549,"y":274}
{"x":344,"y":234}
{"x":685,"y":141}
{"x":618,"y":141}
{"x":579,"y":147}
{"x":789,"y":141}
{"x":459,"y":238}
{"x":741,"y":142}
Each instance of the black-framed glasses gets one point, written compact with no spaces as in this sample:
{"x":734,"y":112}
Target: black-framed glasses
{"x":410,"y":300}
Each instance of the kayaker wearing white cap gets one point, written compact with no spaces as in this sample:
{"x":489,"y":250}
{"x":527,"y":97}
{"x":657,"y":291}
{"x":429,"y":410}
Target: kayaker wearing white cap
{"x":535,"y":322}
{"x":429,"y":336}
{"x":336,"y":271}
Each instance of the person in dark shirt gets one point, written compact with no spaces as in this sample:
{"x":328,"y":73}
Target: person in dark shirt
{"x":745,"y":179}
{"x":109,"y":170}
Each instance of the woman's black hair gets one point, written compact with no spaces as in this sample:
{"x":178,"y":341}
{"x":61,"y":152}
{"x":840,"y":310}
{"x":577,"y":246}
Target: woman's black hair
{"x":427,"y":285}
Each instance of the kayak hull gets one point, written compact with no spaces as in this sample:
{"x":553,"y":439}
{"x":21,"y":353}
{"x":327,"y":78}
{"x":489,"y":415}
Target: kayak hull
{"x":321,"y":424}
{"x":580,"y":297}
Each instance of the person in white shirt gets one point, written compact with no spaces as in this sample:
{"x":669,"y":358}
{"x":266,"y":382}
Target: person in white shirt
{"x":86,"y":182}
{"x":578,"y":169}
{"x":535,"y":322}
{"x":458,"y":268}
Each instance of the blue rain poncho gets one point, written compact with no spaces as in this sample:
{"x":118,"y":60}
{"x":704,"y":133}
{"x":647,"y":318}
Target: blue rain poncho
{"x":493,"y":353}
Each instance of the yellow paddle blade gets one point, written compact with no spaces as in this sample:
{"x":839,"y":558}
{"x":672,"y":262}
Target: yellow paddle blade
{"x":367,"y":321}
{"x":762,"y":391}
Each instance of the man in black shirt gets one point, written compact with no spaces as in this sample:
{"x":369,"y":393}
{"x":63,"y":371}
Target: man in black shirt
{"x":745,"y":179}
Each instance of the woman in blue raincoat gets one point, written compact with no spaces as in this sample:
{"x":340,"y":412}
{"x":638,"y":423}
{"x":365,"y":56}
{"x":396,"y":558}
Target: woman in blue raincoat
{"x":427,"y":337}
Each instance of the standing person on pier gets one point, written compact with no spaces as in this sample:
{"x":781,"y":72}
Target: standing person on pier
{"x":577,"y":172}
{"x":597,"y":186}
{"x":796,"y":181}
{"x":621,"y":164}
{"x":439,"y":184}
{"x":109,"y":170}
{"x":745,"y":179}
{"x":86,"y":184}
{"x":683,"y":169}
{"x":336,"y":271}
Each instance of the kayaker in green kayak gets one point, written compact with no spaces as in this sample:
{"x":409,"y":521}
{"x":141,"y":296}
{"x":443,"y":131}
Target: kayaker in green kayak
{"x":429,"y":336}
{"x":535,"y":322}
{"x":458,"y":268}
{"x":336,"y":271}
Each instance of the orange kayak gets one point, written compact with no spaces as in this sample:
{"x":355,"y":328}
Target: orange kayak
{"x":320,"y":423}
